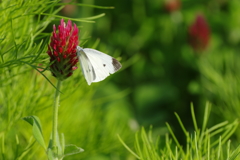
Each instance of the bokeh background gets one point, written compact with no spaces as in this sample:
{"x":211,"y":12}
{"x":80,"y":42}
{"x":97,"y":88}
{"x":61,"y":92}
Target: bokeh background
{"x":173,"y":52}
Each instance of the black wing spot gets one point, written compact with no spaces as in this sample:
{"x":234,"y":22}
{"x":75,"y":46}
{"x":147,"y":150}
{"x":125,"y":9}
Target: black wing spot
{"x":104,"y":65}
{"x":88,"y":70}
{"x":117,"y":65}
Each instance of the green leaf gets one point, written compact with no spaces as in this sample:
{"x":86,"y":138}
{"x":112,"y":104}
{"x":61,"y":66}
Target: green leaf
{"x":235,"y":153}
{"x":72,"y":149}
{"x":36,"y":129}
{"x":124,"y":144}
{"x":50,"y":154}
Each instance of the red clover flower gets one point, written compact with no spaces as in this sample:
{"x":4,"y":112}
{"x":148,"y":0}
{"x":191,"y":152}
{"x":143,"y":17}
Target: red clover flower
{"x":172,"y":5}
{"x":62,"y":50}
{"x":199,"y":34}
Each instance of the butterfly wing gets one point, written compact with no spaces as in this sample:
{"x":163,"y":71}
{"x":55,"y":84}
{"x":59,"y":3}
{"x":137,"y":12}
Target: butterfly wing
{"x":103,"y":65}
{"x":86,"y":66}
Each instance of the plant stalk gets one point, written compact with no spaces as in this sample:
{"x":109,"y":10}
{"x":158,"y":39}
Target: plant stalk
{"x":55,"y":118}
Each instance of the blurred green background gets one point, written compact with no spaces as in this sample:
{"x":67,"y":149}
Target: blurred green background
{"x":161,"y":68}
{"x":162,"y":73}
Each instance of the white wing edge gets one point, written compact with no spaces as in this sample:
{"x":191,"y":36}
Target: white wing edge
{"x":86,"y":66}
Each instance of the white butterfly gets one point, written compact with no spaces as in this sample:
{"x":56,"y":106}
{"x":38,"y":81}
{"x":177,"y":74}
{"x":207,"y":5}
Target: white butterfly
{"x":96,"y":66}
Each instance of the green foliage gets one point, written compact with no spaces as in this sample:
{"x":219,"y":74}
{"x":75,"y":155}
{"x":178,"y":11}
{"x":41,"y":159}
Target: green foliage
{"x":36,"y":129}
{"x":204,"y":143}
{"x":220,"y":79}
{"x":25,"y":90}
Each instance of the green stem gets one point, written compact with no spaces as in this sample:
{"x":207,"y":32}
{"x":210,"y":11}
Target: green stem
{"x":55,"y":117}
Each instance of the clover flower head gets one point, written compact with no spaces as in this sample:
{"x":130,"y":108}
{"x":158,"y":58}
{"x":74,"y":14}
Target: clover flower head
{"x":199,"y":34}
{"x":172,"y":5}
{"x":62,"y":50}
